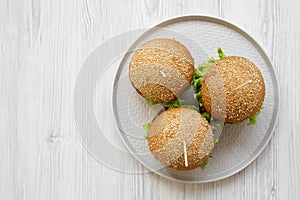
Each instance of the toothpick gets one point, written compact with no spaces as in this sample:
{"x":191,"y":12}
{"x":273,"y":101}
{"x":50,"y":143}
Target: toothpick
{"x":242,"y":85}
{"x":162,"y":73}
{"x":185,"y":155}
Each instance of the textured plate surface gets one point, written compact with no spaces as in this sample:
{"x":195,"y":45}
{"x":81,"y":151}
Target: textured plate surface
{"x":239,"y":144}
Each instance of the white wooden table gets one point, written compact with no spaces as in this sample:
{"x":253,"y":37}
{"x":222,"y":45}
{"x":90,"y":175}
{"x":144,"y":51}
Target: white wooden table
{"x":42,"y":47}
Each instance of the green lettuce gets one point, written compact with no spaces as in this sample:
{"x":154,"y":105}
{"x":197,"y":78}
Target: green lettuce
{"x":199,"y":74}
{"x":253,"y":119}
{"x":151,"y":102}
{"x":147,"y":129}
{"x":203,"y":166}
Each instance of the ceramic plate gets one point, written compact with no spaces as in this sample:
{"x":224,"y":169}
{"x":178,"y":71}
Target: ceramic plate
{"x":239,"y":144}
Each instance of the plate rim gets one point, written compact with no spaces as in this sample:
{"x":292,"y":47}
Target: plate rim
{"x":242,"y":165}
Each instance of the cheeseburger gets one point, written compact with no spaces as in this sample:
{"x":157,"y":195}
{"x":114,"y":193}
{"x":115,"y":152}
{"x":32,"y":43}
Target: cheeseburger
{"x":243,"y":88}
{"x":161,"y":69}
{"x":181,"y":138}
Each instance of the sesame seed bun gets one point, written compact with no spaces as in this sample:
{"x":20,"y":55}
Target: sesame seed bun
{"x":233,"y":89}
{"x":176,"y":128}
{"x":161,"y":69}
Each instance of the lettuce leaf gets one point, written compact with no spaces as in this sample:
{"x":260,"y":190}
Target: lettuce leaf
{"x":253,"y":119}
{"x":151,"y":102}
{"x":147,"y":127}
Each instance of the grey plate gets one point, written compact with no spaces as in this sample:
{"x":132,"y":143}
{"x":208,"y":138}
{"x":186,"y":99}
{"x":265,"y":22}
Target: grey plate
{"x":239,"y":144}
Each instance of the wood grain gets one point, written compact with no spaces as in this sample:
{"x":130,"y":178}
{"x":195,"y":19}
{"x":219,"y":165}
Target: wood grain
{"x":42,"y":47}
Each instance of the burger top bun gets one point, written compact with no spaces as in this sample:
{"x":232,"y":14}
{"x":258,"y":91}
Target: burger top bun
{"x":178,"y":133}
{"x":161,"y":69}
{"x":233,"y":89}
